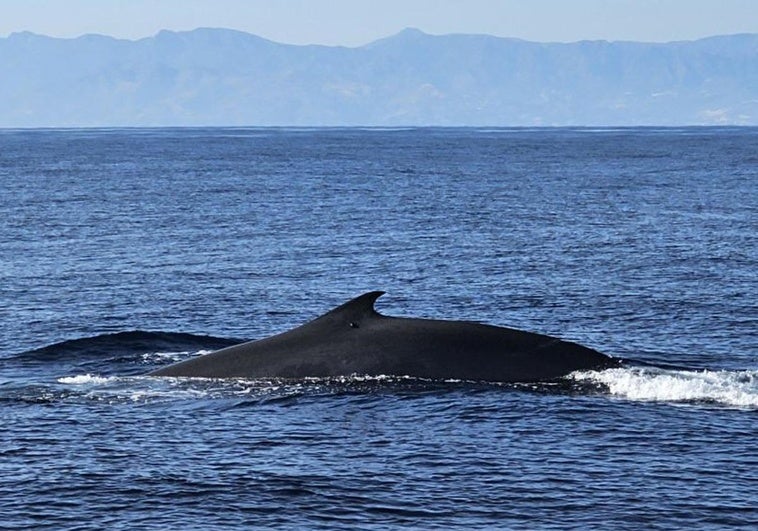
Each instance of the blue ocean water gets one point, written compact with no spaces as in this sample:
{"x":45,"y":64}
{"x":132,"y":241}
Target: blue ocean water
{"x":123,"y":250}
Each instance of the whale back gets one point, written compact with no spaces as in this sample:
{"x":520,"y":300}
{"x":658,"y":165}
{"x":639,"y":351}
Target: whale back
{"x":355,"y":339}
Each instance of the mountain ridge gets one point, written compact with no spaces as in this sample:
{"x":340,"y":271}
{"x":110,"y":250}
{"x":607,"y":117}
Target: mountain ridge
{"x":215,"y":76}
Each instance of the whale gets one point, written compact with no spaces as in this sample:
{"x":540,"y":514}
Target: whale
{"x":356,"y":340}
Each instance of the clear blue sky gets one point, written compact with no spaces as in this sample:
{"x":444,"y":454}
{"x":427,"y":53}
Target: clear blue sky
{"x":357,"y":22}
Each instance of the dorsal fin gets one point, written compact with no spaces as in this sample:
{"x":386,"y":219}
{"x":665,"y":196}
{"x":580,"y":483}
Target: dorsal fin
{"x":357,"y":308}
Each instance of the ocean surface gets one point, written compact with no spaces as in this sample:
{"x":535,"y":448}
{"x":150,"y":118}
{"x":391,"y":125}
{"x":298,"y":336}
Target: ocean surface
{"x":124,"y":250}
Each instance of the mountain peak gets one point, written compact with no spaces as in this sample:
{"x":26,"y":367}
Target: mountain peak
{"x":411,"y":32}
{"x":406,"y":35}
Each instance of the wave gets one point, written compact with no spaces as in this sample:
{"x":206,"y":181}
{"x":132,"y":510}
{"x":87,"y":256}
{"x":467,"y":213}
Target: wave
{"x":135,"y":341}
{"x":737,"y":389}
{"x":233,"y":393}
{"x":652,"y":384}
{"x":125,"y":353}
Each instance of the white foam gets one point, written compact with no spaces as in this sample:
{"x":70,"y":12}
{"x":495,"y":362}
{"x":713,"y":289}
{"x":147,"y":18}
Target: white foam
{"x":84,"y":379}
{"x":731,"y":388}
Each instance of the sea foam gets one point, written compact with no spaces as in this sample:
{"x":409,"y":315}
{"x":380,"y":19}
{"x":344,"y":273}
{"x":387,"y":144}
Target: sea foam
{"x":731,"y":388}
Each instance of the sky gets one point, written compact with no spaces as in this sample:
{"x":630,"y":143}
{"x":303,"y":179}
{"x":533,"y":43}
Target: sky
{"x":358,"y":22}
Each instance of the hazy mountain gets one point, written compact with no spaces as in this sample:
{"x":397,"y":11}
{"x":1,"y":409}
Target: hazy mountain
{"x":225,"y":77}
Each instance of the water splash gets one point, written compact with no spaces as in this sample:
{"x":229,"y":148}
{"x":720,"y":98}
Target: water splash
{"x":85,"y":379}
{"x":729,"y":388}
{"x":172,"y":357}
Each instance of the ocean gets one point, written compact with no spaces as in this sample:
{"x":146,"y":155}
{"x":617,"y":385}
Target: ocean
{"x":123,"y":250}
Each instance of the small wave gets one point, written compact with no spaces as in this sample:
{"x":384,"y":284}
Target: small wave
{"x":730,"y":388}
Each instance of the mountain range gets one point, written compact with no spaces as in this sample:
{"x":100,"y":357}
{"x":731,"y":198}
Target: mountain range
{"x":226,"y":77}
